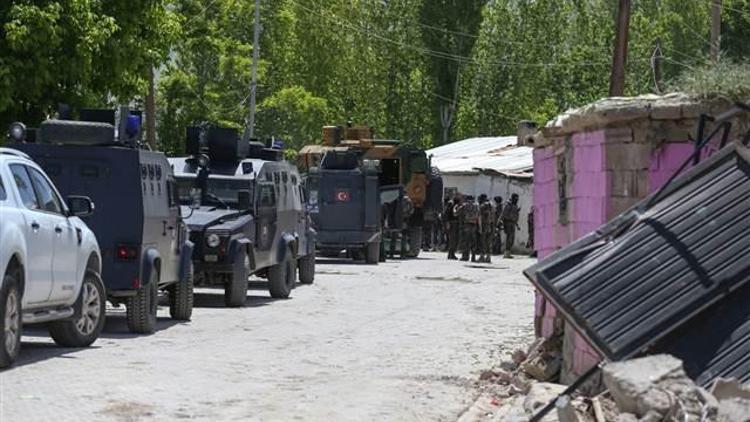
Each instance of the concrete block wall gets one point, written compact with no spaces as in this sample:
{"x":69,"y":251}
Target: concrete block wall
{"x":607,"y":171}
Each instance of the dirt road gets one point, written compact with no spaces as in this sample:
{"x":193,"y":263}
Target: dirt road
{"x":398,"y":341}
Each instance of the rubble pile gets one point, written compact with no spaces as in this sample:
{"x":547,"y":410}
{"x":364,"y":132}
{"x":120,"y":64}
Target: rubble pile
{"x":649,"y":389}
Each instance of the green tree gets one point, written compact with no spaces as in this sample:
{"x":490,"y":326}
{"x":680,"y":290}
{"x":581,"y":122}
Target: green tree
{"x":78,"y":52}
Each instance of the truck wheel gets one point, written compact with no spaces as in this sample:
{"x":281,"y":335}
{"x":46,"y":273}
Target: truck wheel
{"x":307,"y":268}
{"x":10,"y":323}
{"x":181,"y":297}
{"x":415,"y":242}
{"x":90,"y":313}
{"x":281,"y":277}
{"x":372,"y":253}
{"x":141,"y":308}
{"x":235,"y":292}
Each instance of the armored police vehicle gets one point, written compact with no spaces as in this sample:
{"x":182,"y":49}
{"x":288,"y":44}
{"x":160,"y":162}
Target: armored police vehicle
{"x":247,"y":214}
{"x":137,"y":222}
{"x":400,"y":164}
{"x":345,"y":206}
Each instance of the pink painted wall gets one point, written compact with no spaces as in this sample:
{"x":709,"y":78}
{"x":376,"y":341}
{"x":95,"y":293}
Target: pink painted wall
{"x":667,"y":160}
{"x":590,"y":193}
{"x":545,"y":211}
{"x":591,"y":198}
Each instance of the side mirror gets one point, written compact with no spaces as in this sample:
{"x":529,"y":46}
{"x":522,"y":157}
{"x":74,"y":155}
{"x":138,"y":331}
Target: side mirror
{"x":80,"y":206}
{"x":195,"y":198}
{"x":244,"y":200}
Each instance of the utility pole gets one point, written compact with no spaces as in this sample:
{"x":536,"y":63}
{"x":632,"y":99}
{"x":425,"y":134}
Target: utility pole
{"x":250,"y":129}
{"x":151,"y":110}
{"x":715,"y":30}
{"x":617,"y":80}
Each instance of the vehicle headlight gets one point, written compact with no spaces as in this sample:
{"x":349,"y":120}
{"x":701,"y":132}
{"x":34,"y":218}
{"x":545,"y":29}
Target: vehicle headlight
{"x":213,"y":240}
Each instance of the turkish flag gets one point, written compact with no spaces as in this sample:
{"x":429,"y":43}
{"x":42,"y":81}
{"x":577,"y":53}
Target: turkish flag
{"x":343,"y":196}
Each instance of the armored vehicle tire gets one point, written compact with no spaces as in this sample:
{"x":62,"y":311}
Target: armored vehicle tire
{"x":415,"y":242}
{"x":235,"y":291}
{"x":181,"y":297}
{"x":307,"y":269}
{"x":90,"y":313}
{"x":10,"y":321}
{"x":372,"y":253}
{"x":141,"y":308}
{"x":281,"y":277}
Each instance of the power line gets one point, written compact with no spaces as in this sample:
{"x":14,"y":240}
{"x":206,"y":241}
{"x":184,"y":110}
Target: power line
{"x":195,"y":16}
{"x":439,"y":54}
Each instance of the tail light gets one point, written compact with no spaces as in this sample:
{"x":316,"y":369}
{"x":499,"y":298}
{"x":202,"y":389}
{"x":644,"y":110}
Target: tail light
{"x":127,"y":252}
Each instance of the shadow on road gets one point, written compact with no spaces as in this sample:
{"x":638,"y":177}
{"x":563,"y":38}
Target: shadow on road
{"x":216,"y":300}
{"x":117,"y":326}
{"x":33,"y":352}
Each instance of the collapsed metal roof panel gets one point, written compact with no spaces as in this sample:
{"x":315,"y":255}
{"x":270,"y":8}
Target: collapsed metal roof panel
{"x":716,"y":343}
{"x":658,"y":265}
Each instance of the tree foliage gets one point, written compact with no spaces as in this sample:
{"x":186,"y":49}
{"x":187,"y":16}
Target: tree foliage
{"x":401,"y":66}
{"x":78,"y":52}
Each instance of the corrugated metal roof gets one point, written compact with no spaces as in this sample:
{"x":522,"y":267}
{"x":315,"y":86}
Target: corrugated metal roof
{"x":656,"y":268}
{"x":715,"y":343}
{"x":498,"y":154}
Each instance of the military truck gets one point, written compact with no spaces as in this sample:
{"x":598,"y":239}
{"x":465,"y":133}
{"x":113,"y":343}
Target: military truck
{"x":399,"y":164}
{"x":137,"y":222}
{"x":248,"y":214}
{"x":345,"y":206}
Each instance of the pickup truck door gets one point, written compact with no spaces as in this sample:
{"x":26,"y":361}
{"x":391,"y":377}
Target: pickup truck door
{"x":39,"y":233}
{"x":65,"y":242}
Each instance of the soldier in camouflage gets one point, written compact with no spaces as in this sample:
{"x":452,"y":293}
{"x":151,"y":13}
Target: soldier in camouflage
{"x":450,"y":221}
{"x":468,"y":217}
{"x":510,"y":223}
{"x":486,"y":228}
{"x":497,"y":241}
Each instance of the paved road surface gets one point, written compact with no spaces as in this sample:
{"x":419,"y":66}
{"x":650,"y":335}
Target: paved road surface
{"x":399,"y":341}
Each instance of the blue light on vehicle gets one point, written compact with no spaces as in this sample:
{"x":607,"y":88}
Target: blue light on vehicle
{"x":133,"y":125}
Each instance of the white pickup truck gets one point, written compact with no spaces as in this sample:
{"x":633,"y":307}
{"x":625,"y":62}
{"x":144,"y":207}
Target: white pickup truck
{"x":49,"y":260}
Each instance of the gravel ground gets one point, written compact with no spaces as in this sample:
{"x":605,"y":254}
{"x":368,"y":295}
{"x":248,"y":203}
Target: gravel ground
{"x":404,"y":340}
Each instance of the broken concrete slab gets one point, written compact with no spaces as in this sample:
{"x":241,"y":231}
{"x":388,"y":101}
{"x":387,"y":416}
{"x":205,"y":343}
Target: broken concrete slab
{"x":541,"y":394}
{"x":730,"y":388}
{"x":655,"y":387}
{"x":568,"y":410}
{"x":629,"y":380}
{"x":734,"y":410}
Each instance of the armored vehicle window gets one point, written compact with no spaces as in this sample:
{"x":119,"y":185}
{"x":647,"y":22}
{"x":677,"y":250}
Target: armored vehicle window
{"x":224,"y":189}
{"x":23,"y":183}
{"x":266,"y":196}
{"x":173,"y":194}
{"x":284,"y":177}
{"x":3,"y":195}
{"x":45,"y":192}
{"x":390,"y":172}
